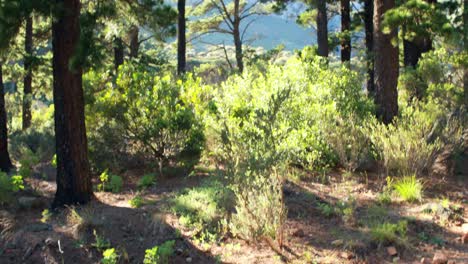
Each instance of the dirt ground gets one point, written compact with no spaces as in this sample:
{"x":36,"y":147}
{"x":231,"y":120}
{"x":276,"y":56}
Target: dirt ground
{"x":310,"y":237}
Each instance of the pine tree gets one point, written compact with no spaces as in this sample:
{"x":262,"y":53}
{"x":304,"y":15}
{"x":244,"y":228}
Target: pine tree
{"x":386,"y":65}
{"x":5,"y":162}
{"x":181,"y":39}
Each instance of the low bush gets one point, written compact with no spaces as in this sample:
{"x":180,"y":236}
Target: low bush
{"x":8,"y":186}
{"x":136,"y":202}
{"x":110,"y":182}
{"x":110,"y":256}
{"x":387,"y":233}
{"x":159,"y":254}
{"x":146,"y":181}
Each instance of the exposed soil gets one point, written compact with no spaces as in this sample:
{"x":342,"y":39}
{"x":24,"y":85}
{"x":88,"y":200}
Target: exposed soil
{"x":310,"y":237}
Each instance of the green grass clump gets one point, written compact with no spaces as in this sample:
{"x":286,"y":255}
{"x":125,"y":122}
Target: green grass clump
{"x":146,"y":181}
{"x":409,"y":189}
{"x":387,"y":233}
{"x":159,"y":254}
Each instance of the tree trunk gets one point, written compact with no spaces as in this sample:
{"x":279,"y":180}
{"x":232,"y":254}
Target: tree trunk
{"x":386,"y":65}
{"x":134,"y":41}
{"x":237,"y":37}
{"x":118,"y":52}
{"x":27,"y":92}
{"x":465,"y":48}
{"x":345,"y":28}
{"x":181,"y":41}
{"x":322,"y":28}
{"x":73,"y":173}
{"x":369,"y":31}
{"x":5,"y":162}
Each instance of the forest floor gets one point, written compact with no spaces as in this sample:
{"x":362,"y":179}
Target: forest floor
{"x":309,"y":235}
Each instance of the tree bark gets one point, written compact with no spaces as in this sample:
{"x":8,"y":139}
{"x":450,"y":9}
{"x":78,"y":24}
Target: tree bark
{"x":369,"y":31}
{"x":386,"y":65}
{"x":134,"y":41}
{"x":118,"y":52}
{"x":465,"y":48}
{"x":322,"y":28}
{"x":27,"y":92}
{"x":73,"y":173}
{"x":345,"y":28}
{"x":181,"y":39}
{"x":237,"y":37}
{"x":5,"y":162}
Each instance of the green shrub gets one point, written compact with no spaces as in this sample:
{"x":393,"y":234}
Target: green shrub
{"x":203,"y":207}
{"x":146,"y":181}
{"x":110,"y":256}
{"x":101,"y":243}
{"x":136,"y":202}
{"x":148,"y":112}
{"x":159,"y":254}
{"x":326,"y":209}
{"x":110,"y":182}
{"x":403,"y":146}
{"x":8,"y":186}
{"x":387,"y":233}
{"x":27,"y":161}
{"x":409,"y":188}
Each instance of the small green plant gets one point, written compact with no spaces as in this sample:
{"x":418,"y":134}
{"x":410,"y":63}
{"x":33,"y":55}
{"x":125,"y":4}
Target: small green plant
{"x":409,"y":188}
{"x":46,"y":215}
{"x":387,"y":233}
{"x":110,"y":256}
{"x":27,"y":161}
{"x":101,"y":243}
{"x":136,"y":202}
{"x":17,"y":183}
{"x":159,"y":254}
{"x":110,"y":182}
{"x":8,"y":186}
{"x":146,"y":181}
{"x":53,"y":162}
{"x":326,"y":209}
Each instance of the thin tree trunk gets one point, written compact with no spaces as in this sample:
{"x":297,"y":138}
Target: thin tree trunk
{"x":465,"y":48}
{"x":27,"y":92}
{"x":237,"y":37}
{"x":386,"y":65}
{"x":345,"y":27}
{"x":118,"y":52}
{"x":322,"y":28}
{"x":369,"y":31}
{"x":134,"y":41}
{"x":181,"y":40}
{"x":5,"y":162}
{"x":73,"y":173}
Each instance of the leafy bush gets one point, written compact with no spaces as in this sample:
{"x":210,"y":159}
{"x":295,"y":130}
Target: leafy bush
{"x":146,"y":181}
{"x":110,"y":256}
{"x":147,"y":112}
{"x":110,"y":182}
{"x":404,"y":146}
{"x":159,"y":254}
{"x":203,"y":207}
{"x":9,"y":185}
{"x":387,"y":233}
{"x":136,"y":202}
{"x":101,"y":243}
{"x":409,"y":188}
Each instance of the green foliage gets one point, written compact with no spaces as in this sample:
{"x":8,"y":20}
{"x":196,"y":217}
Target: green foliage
{"x":146,"y":181}
{"x":27,"y":161}
{"x":159,"y":254}
{"x":409,"y":188}
{"x":136,"y":202}
{"x":101,"y":243}
{"x":53,"y":162}
{"x":110,"y":182}
{"x":110,"y":256}
{"x":326,"y":209}
{"x":46,"y":215}
{"x":387,"y":233}
{"x":146,"y":110}
{"x":8,"y":186}
{"x":203,"y":207}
